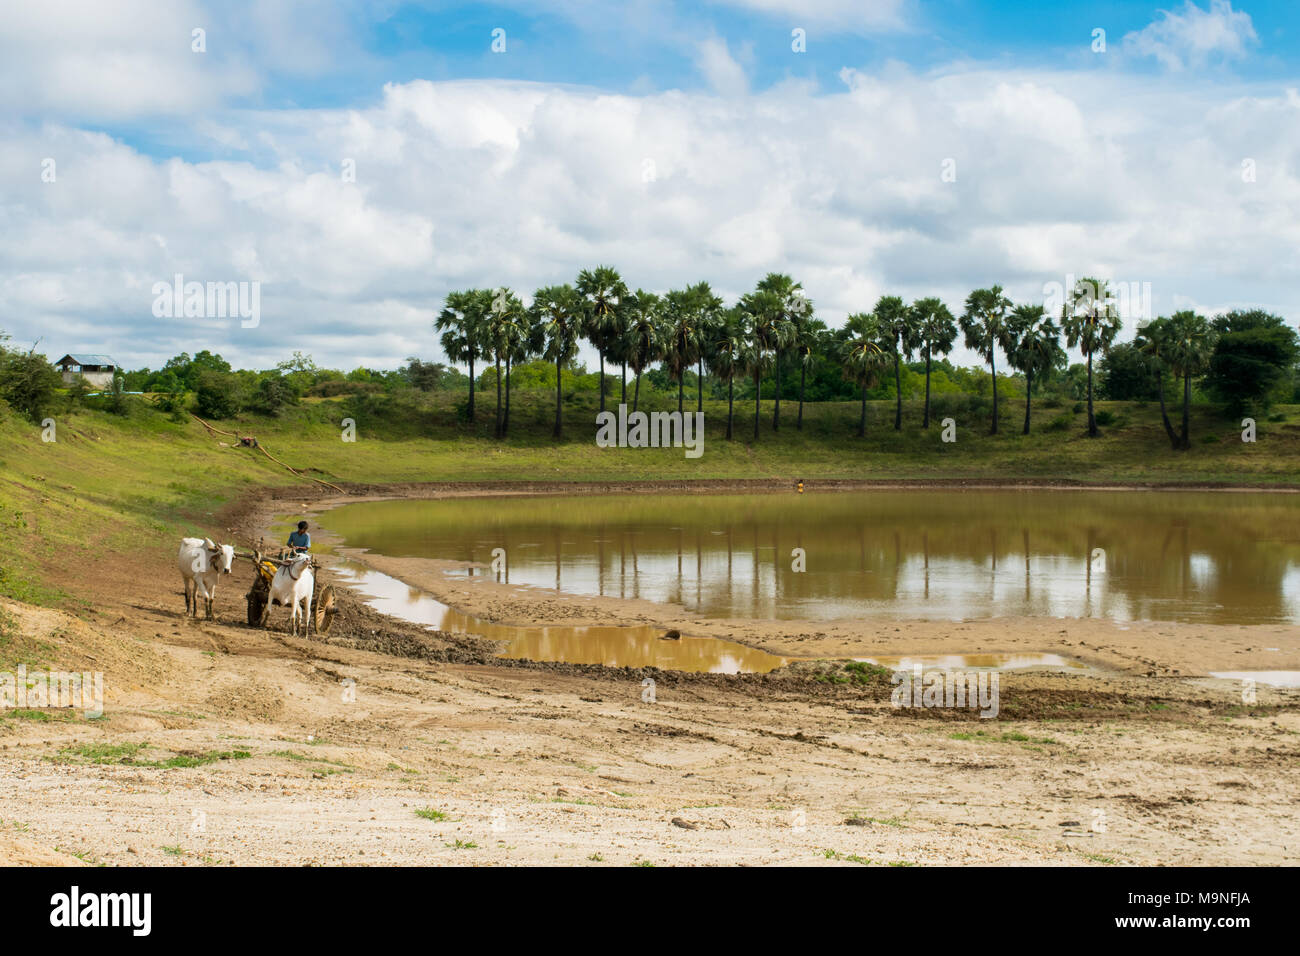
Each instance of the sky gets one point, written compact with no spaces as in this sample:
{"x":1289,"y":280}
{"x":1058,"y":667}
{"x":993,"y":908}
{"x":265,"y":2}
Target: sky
{"x":353,"y":162}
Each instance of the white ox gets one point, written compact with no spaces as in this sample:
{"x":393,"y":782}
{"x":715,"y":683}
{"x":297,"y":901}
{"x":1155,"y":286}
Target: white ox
{"x":292,"y":586}
{"x":202,"y":563}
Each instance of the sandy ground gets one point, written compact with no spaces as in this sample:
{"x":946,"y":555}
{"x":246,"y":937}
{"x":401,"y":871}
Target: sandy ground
{"x":384,"y":744}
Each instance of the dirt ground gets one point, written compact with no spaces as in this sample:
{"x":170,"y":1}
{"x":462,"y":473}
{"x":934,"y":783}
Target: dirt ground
{"x":385,"y":744}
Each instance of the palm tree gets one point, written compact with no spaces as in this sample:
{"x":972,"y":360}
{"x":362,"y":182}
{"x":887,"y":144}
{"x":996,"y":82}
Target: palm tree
{"x":461,"y":324}
{"x":725,"y":353}
{"x":985,"y":326}
{"x":763,"y":311}
{"x":809,"y":342}
{"x":1152,"y":341}
{"x":899,"y":325}
{"x":708,"y":313}
{"x":792,"y":303}
{"x":642,"y":342}
{"x":936,"y":329}
{"x":602,"y":290}
{"x":558,"y":310}
{"x":1188,"y":347}
{"x":501,"y":331}
{"x":1091,"y":322}
{"x":1036,"y":347}
{"x":862,"y":355}
{"x":681,"y":336}
{"x":523,"y":339}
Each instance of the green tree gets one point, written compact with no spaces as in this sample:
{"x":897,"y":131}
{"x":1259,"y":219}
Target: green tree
{"x":1253,"y":357}
{"x":27,"y":381}
{"x":862,"y":355}
{"x":557,"y":309}
{"x":726,"y":354}
{"x":984,"y":324}
{"x":1188,"y":348}
{"x":902,"y":338}
{"x":461,"y":324}
{"x":643,"y":342}
{"x":1125,"y":374}
{"x":275,"y":392}
{"x":1035,"y":347}
{"x":936,"y":331}
{"x":218,"y":394}
{"x":1091,"y":321}
{"x":1152,"y":344}
{"x":602,"y":291}
{"x":708,"y":313}
{"x":503,"y":329}
{"x":788,"y":303}
{"x":807,"y":345}
{"x":682,"y":336}
{"x":764,"y":312}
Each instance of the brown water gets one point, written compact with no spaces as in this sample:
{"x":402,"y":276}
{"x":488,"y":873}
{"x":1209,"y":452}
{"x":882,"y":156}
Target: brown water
{"x":611,"y":646}
{"x":1230,"y":558}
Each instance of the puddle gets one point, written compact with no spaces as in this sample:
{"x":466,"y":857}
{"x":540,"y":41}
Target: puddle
{"x":637,"y":646}
{"x":1270,"y":678}
{"x":977,"y":662}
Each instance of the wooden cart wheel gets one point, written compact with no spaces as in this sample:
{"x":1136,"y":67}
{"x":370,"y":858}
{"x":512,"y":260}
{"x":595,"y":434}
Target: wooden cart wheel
{"x":324,"y":609}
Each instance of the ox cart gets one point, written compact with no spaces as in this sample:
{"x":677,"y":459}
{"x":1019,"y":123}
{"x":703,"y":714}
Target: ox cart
{"x":323,"y":602}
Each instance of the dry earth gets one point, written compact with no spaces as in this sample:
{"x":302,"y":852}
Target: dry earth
{"x":536,"y":764}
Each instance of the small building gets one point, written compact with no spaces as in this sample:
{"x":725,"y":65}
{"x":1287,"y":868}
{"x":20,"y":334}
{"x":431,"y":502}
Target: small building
{"x":97,"y":370}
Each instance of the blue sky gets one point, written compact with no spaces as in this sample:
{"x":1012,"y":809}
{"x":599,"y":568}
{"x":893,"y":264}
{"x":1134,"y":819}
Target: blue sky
{"x":677,"y":141}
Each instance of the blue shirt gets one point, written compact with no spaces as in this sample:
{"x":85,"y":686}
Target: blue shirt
{"x":299,"y":539}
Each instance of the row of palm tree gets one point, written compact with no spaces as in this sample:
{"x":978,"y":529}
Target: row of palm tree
{"x":774,"y":325}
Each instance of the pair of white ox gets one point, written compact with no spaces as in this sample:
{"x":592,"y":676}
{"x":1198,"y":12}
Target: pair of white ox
{"x":202,"y":563}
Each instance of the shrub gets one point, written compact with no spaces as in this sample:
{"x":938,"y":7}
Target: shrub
{"x":218,"y":395}
{"x":1104,"y":417}
{"x":274,"y":392}
{"x":27,"y":381}
{"x":1059,"y":424}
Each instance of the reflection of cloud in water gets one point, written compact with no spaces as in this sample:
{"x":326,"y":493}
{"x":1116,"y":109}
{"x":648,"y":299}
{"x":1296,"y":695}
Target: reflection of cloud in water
{"x":938,"y":555}
{"x":1271,"y":678}
{"x":611,"y":646}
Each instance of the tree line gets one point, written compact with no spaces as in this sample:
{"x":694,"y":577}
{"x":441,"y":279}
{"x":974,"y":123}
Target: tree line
{"x":1240,"y":357}
{"x":767,"y":346}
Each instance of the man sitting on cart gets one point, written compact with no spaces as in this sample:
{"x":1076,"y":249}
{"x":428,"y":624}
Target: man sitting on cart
{"x":300,"y":541}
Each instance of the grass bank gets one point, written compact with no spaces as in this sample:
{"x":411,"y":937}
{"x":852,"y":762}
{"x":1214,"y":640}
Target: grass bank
{"x":107,"y":483}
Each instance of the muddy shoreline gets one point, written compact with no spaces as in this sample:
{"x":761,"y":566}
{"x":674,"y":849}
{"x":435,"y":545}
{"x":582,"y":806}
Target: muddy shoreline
{"x":1149,"y":649}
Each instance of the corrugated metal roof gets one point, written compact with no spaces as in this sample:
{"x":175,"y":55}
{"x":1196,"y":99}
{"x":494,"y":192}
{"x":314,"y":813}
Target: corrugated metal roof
{"x":87,"y":360}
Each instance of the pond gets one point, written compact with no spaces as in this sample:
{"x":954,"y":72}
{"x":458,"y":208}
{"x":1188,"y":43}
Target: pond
{"x":951,"y":554}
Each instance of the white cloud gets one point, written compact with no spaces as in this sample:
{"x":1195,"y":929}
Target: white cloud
{"x":478,"y":183}
{"x":723,"y":73}
{"x":1192,"y":36}
{"x":133,"y":58}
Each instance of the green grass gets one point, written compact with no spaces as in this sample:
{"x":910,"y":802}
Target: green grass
{"x":99,"y":489}
{"x":429,"y":813}
{"x":328,"y":766}
{"x":131,"y":755}
{"x":1008,"y":737}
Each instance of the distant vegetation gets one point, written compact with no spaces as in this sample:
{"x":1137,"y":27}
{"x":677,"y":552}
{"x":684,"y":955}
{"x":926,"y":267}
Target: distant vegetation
{"x":684,"y":348}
